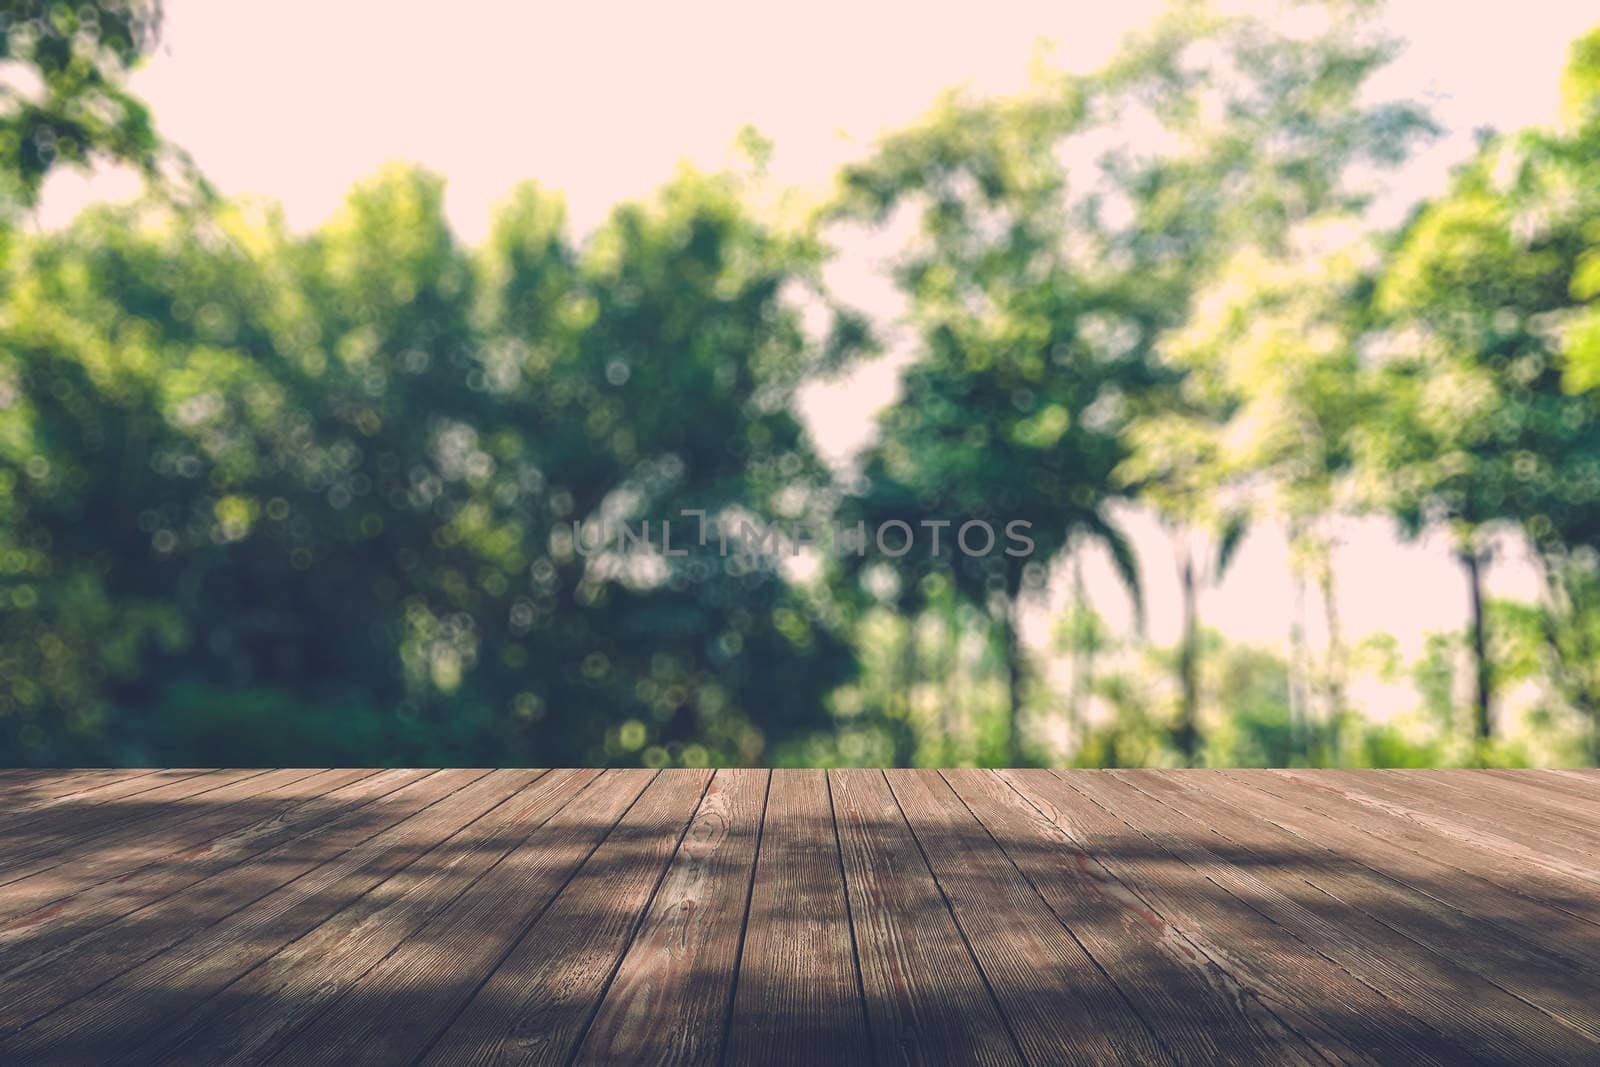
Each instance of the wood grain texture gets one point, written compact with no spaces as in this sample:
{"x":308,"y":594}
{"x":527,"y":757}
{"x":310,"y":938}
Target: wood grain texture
{"x":265,"y":1008}
{"x":22,"y":790}
{"x":394,"y":1012}
{"x":128,"y":846}
{"x":1196,"y":1007}
{"x":799,"y":917}
{"x":798,"y":985}
{"x":1507,"y":803}
{"x":1276,"y":881}
{"x":669,"y":1000}
{"x":81,"y":791}
{"x":1577,"y":896}
{"x":63,"y":826}
{"x":1487,"y":808}
{"x":1532,"y":843}
{"x":1549,"y":784}
{"x":1546,"y":1002}
{"x":1553,"y":937}
{"x":536,"y":1005}
{"x":1348,"y":1021}
{"x":141,"y":1002}
{"x":41,"y":926}
{"x":927,"y":1002}
{"x":1536,"y":799}
{"x":60,"y":977}
{"x":1061,"y":1005}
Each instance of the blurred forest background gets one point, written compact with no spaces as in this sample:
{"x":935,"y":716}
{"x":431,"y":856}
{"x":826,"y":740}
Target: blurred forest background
{"x":273,"y":497}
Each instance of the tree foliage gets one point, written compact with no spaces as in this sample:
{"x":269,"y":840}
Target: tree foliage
{"x":353,"y":495}
{"x":342,"y":471}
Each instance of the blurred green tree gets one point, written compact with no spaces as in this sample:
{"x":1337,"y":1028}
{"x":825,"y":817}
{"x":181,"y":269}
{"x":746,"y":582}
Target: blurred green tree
{"x":353,"y":496}
{"x":1481,"y":361}
{"x":64,"y":98}
{"x":79,"y":108}
{"x":1008,"y":414}
{"x":1040,"y":390}
{"x":1271,"y":362}
{"x":1274,"y":132}
{"x":333,"y":480}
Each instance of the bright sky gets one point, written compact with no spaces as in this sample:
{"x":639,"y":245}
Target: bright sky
{"x":298,"y":99}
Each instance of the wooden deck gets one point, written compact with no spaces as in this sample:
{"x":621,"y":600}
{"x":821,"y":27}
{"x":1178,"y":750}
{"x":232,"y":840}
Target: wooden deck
{"x":630,"y":916}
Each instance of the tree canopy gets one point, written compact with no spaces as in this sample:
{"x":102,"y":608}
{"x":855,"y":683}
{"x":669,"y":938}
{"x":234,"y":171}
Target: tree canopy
{"x":367,"y":494}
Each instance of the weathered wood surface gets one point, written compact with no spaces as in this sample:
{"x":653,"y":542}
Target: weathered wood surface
{"x":793,"y":917}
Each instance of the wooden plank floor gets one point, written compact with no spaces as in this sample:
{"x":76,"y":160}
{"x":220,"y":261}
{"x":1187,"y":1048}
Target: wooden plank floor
{"x":859,"y":917}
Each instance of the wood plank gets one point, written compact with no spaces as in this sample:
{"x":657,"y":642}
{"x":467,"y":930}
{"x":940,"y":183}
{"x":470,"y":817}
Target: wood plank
{"x":131,"y":848}
{"x":400,"y":1007}
{"x":111,"y":852}
{"x":927,"y":1002}
{"x":1490,"y":791}
{"x":10,"y":776}
{"x":670,"y":997}
{"x":87,"y":787}
{"x":81,"y":804}
{"x":27,"y":848}
{"x":254,"y":1016}
{"x":21,"y":787}
{"x":1578,"y":898}
{"x":582,"y":916}
{"x":1061,"y":1006}
{"x":1485,"y":795}
{"x":537,"y":1002}
{"x":1551,"y":783}
{"x":35,"y":788}
{"x":140,"y":1002}
{"x":1345,"y":1019}
{"x":1587,"y":775}
{"x":799,"y":989}
{"x":1503,"y":813}
{"x":1529,"y":990}
{"x":1456,"y":1007}
{"x":1196,"y":1007}
{"x":289,"y":814}
{"x":1421,"y":862}
{"x":1525,"y":844}
{"x":46,"y":981}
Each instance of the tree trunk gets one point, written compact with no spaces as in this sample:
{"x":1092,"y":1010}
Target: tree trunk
{"x":1594,"y":732}
{"x":1082,"y":660}
{"x":1014,"y":670}
{"x":1187,"y":735}
{"x":902,"y":731}
{"x":1335,"y":685}
{"x":1482,"y":697}
{"x":950,"y":707}
{"x":1300,"y":742}
{"x":1300,"y":739}
{"x":1576,"y":670}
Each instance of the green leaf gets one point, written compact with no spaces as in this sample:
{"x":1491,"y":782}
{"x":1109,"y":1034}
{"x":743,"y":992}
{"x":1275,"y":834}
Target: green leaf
{"x":1231,"y":535}
{"x":1125,"y":561}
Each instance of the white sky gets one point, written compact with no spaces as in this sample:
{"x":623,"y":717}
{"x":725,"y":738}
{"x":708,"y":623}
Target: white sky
{"x":298,"y":99}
